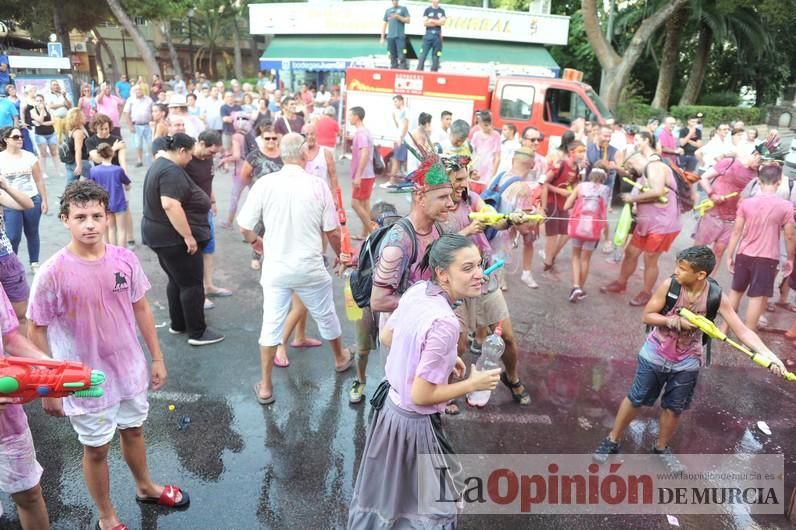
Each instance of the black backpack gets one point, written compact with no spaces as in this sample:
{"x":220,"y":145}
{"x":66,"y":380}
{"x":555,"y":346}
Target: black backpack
{"x":362,"y":277}
{"x":713,"y":303}
{"x":66,"y":151}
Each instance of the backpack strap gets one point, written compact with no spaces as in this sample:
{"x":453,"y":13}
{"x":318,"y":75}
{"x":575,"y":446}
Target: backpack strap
{"x":506,"y":185}
{"x":671,"y":298}
{"x":406,"y":224}
{"x":713,"y":304}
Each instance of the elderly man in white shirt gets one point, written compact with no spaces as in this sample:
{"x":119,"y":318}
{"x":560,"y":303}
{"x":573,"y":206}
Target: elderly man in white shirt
{"x":295,"y":207}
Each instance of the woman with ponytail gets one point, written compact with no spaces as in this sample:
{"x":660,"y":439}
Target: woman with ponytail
{"x":422,"y":335}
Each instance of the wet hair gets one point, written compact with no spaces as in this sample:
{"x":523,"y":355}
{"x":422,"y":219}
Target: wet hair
{"x":647,"y":136}
{"x":567,"y":138}
{"x":178,"y":141}
{"x":769,"y":173}
{"x":100,"y":119}
{"x":441,"y":253}
{"x":445,"y":114}
{"x":598,"y":175}
{"x":701,"y":258}
{"x":486,"y":117}
{"x":105,"y":150}
{"x":82,"y":192}
{"x":424,"y":118}
{"x":210,"y":137}
{"x":460,"y":129}
{"x":359,"y":112}
{"x":384,"y":213}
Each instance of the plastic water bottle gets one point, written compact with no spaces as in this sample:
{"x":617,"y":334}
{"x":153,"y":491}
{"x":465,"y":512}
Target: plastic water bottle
{"x":491,"y":352}
{"x":352,"y":310}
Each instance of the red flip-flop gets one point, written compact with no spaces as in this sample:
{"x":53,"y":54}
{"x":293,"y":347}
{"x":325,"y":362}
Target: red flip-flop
{"x":168,"y":498}
{"x":281,"y":364}
{"x":308,"y":343}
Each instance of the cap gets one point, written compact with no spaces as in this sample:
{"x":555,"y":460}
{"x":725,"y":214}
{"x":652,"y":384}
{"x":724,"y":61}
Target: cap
{"x":178,"y":100}
{"x":524,"y":151}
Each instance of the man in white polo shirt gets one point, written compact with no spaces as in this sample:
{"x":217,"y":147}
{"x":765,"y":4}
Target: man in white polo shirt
{"x":295,"y":207}
{"x":138,"y":114}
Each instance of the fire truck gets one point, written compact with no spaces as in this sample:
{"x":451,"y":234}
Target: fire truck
{"x":549,"y":104}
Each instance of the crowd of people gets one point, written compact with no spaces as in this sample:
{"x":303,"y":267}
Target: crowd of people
{"x":426,"y":300}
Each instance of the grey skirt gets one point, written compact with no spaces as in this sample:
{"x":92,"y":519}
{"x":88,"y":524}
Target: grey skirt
{"x":386,"y":494}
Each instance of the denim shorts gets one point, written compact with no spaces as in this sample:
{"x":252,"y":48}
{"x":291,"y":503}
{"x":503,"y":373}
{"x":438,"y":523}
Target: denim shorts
{"x":46,"y":139}
{"x":677,"y":386}
{"x":210,"y":248}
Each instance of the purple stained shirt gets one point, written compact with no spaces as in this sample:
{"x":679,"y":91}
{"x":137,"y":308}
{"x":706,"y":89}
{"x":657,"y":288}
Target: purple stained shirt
{"x":425,"y":336}
{"x":113,"y":179}
{"x":12,"y":420}
{"x":87,"y":307}
{"x":362,"y":139}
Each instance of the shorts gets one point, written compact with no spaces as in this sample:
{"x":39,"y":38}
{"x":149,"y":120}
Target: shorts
{"x":712,"y":230}
{"x":46,"y":139}
{"x":318,"y":299}
{"x":558,"y":226}
{"x":654,"y":243}
{"x":210,"y":248}
{"x":756,"y":274}
{"x":366,"y":331}
{"x":792,"y":279}
{"x":364,"y":191}
{"x":677,"y":386}
{"x":19,"y":469}
{"x":485,"y":310}
{"x":95,"y":429}
{"x":583,"y":244}
{"x":400,"y":152}
{"x":14,"y":278}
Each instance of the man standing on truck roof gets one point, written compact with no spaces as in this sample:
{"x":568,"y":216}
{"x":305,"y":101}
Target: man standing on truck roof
{"x":433,"y":20}
{"x":395,"y":20}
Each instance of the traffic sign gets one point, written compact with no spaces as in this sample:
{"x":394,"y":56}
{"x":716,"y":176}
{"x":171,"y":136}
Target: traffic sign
{"x":55,"y":49}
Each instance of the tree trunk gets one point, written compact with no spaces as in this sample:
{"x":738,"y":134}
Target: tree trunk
{"x":236,"y":42}
{"x":61,"y":30}
{"x":694,"y":85}
{"x":147,"y":54}
{"x":617,"y":68}
{"x":165,"y":29}
{"x":669,"y":58}
{"x":102,"y":43}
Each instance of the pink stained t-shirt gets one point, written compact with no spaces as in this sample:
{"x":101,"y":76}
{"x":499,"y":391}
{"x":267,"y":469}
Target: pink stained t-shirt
{"x":485,"y":149}
{"x":88,"y":309}
{"x":425,"y":335}
{"x":764,"y":217}
{"x":362,"y":139}
{"x":667,"y":140}
{"x":110,"y":106}
{"x":12,"y":420}
{"x":731,"y":176}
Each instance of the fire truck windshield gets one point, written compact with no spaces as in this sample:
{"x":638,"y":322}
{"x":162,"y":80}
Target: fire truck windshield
{"x":601,"y":107}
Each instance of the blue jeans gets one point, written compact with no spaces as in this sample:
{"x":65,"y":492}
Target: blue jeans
{"x":433,"y":44}
{"x":17,"y":220}
{"x":396,"y":47}
{"x":70,"y":171}
{"x":143,"y":140}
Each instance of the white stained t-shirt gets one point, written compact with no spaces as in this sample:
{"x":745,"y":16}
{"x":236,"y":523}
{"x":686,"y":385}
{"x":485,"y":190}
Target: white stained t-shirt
{"x":18,"y":171}
{"x":295,"y":207}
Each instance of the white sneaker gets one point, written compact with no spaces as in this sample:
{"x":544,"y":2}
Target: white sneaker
{"x":528,"y":280}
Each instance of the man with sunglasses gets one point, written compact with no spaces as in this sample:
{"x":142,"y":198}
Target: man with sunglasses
{"x":532,"y":138}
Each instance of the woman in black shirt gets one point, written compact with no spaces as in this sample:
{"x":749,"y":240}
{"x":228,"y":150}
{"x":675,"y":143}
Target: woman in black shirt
{"x":175,"y":226}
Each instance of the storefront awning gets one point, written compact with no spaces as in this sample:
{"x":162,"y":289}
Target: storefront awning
{"x":310,"y":52}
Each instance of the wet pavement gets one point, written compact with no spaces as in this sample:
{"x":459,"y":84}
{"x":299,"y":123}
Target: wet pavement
{"x":293,"y":464}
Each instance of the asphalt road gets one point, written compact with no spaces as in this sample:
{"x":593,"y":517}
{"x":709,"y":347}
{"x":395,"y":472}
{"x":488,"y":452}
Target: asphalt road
{"x":293,"y":464}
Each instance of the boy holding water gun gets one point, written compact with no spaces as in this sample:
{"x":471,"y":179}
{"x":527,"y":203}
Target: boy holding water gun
{"x":85,"y":305}
{"x":19,"y":470}
{"x":670,"y":359}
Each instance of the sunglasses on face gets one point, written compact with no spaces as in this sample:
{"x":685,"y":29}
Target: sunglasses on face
{"x":15,"y":137}
{"x":269,"y":138}
{"x":536,"y":140}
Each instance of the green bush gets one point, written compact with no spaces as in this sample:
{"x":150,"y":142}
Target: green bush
{"x":636,"y":112}
{"x":719,"y":99}
{"x":716,"y":115}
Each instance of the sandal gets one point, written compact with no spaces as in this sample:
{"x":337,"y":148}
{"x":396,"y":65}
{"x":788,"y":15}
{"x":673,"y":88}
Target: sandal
{"x":168,"y":498}
{"x":523,"y":398}
{"x":452,"y":408}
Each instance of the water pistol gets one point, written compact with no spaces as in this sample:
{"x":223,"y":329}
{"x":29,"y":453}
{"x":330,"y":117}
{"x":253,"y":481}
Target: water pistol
{"x":495,"y":266}
{"x":491,"y":217}
{"x":28,"y":379}
{"x":707,"y":204}
{"x":663,"y":199}
{"x":345,"y":235}
{"x":710,"y":329}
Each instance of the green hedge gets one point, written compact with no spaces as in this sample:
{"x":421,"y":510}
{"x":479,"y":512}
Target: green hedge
{"x":716,"y":115}
{"x":637,"y":113}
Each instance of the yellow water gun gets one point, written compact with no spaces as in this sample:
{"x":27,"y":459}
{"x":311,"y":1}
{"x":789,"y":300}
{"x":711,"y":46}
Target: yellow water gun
{"x":663,"y":199}
{"x":711,"y":330}
{"x":707,"y":204}
{"x":490,"y":217}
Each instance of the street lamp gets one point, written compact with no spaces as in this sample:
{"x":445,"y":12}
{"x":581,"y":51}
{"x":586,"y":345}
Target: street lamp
{"x":191,"y":14}
{"x":124,"y":53}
